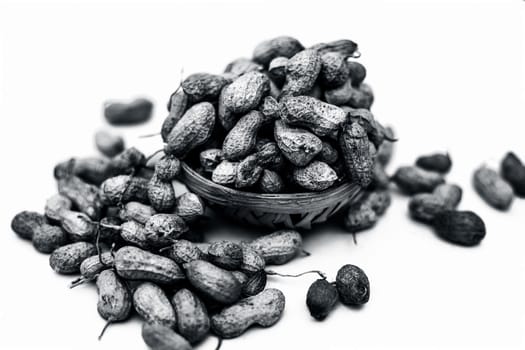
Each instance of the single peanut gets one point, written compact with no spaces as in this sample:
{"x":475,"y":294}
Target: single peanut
{"x":215,"y":283}
{"x":152,"y":304}
{"x":193,"y":322}
{"x":279,"y":247}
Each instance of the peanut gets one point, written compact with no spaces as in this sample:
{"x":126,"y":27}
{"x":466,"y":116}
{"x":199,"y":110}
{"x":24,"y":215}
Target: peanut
{"x":225,"y":254}
{"x":460,"y":227}
{"x":225,"y":116}
{"x":277,"y":69}
{"x":203,"y":86}
{"x":298,"y":146}
{"x":137,"y":264}
{"x":83,"y":195}
{"x":346,"y":48}
{"x":271,"y":182}
{"x":334,"y":70}
{"x":352,"y":285}
{"x":263,"y":309}
{"x":78,"y":225}
{"x":360,"y":217}
{"x":225,"y":173}
{"x":281,"y":46}
{"x":167,"y":169}
{"x":25,"y":223}
{"x":451,"y":194}
{"x":240,"y":140}
{"x":114,"y":299}
{"x":193,"y":322}
{"x":412,"y":180}
{"x":357,"y":72}
{"x":162,"y":229}
{"x":189,"y":207}
{"x":361,"y":97}
{"x":210,"y":158}
{"x":492,"y":188}
{"x":136,"y":211}
{"x":425,"y":206}
{"x":356,"y":153}
{"x":513,"y":171}
{"x":159,"y":337}
{"x":386,"y":149}
{"x":302,"y":71}
{"x":108,"y":144}
{"x":438,"y":162}
{"x":316,"y":176}
{"x":321,"y":298}
{"x":92,"y":170}
{"x":242,"y":66}
{"x":215,"y":283}
{"x":193,"y":129}
{"x":131,"y":113}
{"x":270,"y":109}
{"x":161,"y":194}
{"x":47,"y":238}
{"x":152,"y":304}
{"x":245,"y":93}
{"x":55,"y":205}
{"x":91,"y":267}
{"x":321,"y":118}
{"x":328,"y":154}
{"x":279,"y":247}
{"x":124,"y":188}
{"x":133,"y":232}
{"x":177,"y":105}
{"x":248,"y":171}
{"x":254,"y":284}
{"x":67,"y":259}
{"x":183,"y":251}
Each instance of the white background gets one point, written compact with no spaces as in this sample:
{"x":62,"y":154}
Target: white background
{"x":449,"y":75}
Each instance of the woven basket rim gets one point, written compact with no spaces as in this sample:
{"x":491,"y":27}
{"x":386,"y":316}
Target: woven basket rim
{"x":279,"y":202}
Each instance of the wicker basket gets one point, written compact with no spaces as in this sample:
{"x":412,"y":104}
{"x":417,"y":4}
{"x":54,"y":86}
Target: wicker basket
{"x":291,"y":210}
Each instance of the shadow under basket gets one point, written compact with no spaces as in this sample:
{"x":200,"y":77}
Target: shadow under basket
{"x":290,"y":210}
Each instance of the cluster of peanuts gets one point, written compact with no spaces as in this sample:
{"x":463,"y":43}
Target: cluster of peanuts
{"x":290,"y":119}
{"x":117,"y":223}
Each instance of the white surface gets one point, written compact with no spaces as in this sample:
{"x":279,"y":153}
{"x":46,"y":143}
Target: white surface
{"x":448,"y":76}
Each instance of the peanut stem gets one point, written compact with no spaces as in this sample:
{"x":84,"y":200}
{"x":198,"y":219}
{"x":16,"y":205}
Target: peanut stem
{"x":110,"y":321}
{"x":219,"y":344}
{"x":354,"y":238}
{"x":305,"y":252}
{"x":77,"y":282}
{"x":149,"y":135}
{"x":274,"y":273}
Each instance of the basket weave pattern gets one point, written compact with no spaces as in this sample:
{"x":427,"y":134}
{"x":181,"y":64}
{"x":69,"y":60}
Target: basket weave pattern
{"x":291,"y":210}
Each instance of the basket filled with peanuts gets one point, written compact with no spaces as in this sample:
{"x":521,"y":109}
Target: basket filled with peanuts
{"x":283,"y":139}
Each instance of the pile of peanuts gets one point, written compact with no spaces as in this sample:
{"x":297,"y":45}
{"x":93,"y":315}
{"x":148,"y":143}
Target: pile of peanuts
{"x":289,"y":119}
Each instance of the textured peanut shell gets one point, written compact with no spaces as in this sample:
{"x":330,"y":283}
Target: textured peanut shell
{"x":134,"y":232}
{"x":263,"y":309}
{"x":125,"y":162}
{"x":161,"y":195}
{"x":47,"y":238}
{"x":277,"y":70}
{"x":334,"y":70}
{"x":248,"y":172}
{"x":83,"y":195}
{"x":246,"y":92}
{"x":162,"y":229}
{"x":167,"y":169}
{"x":355,"y":150}
{"x":297,"y":145}
{"x":378,"y":201}
{"x":210,"y":158}
{"x":353,"y":285}
{"x":240,"y":140}
{"x":321,"y":118}
{"x":225,"y":116}
{"x":316,"y":176}
{"x":302,"y":71}
{"x":271,"y":182}
{"x":92,"y":266}
{"x":114,"y":298}
{"x":215,"y":283}
{"x":192,"y":130}
{"x":225,"y":173}
{"x":225,"y":254}
{"x":137,"y":264}
{"x":278,"y":247}
{"x":177,"y":105}
{"x":136,"y":211}
{"x":78,"y":226}
{"x":328,"y":154}
{"x":26,"y":222}
{"x":124,"y":188}
{"x":55,"y":205}
{"x":281,"y":46}
{"x":152,"y":304}
{"x":321,"y":298}
{"x":159,"y":337}
{"x":67,"y":259}
{"x":93,"y":170}
{"x":341,"y":95}
{"x":360,"y":217}
{"x":255,"y":283}
{"x":203,"y":86}
{"x":492,"y":188}
{"x":241,"y":66}
{"x":183,"y":251}
{"x":193,"y":322}
{"x":189,"y":207}
{"x":344,"y":47}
